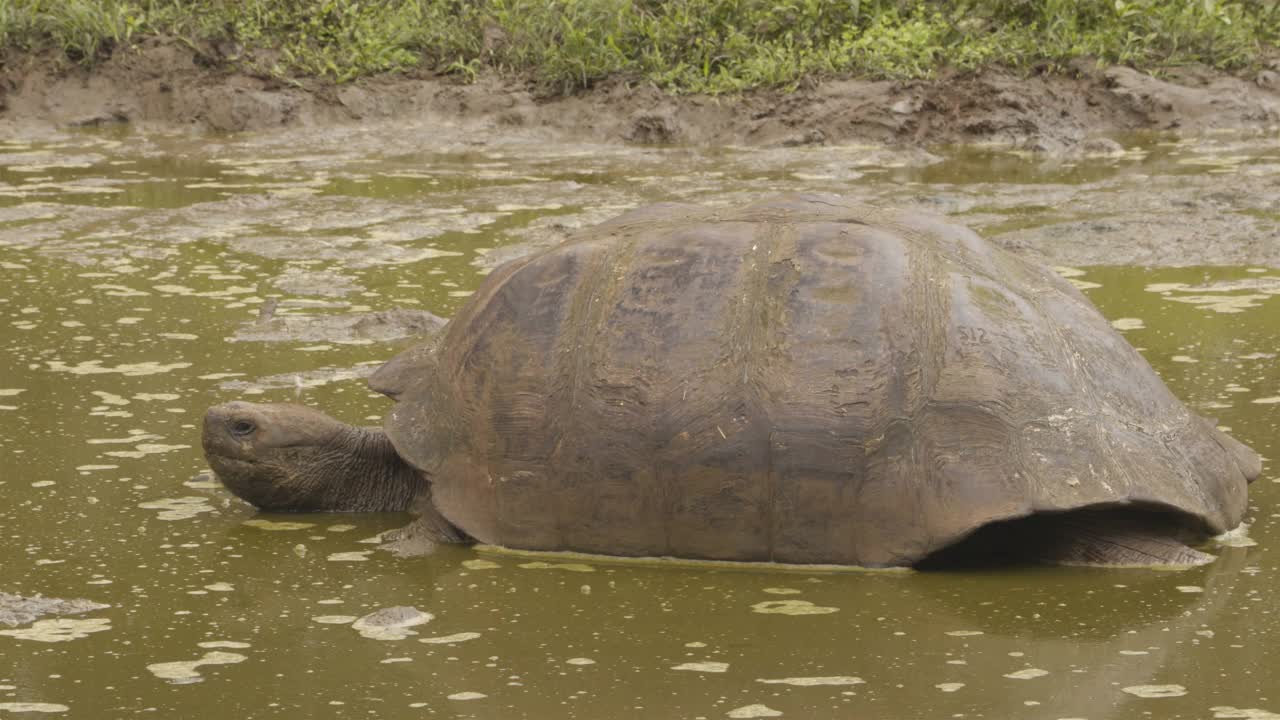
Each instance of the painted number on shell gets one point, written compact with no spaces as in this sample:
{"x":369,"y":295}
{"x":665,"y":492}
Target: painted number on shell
{"x":973,"y":336}
{"x":974,"y":341}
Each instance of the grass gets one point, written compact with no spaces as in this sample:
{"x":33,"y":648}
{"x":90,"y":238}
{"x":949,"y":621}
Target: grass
{"x":712,"y":46}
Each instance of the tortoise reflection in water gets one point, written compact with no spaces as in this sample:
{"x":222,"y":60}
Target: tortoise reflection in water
{"x":799,"y":380}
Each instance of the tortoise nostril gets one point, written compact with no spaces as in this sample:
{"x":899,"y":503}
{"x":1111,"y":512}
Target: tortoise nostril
{"x":242,"y":428}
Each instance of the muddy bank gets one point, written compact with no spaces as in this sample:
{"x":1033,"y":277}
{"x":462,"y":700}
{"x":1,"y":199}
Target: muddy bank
{"x":164,"y":84}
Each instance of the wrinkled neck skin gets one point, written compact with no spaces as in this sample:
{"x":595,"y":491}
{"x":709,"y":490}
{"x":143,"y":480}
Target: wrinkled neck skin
{"x":374,"y":478}
{"x":365,"y":475}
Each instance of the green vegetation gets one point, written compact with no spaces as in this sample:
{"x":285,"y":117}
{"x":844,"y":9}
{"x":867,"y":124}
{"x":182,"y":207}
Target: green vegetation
{"x":682,"y":45}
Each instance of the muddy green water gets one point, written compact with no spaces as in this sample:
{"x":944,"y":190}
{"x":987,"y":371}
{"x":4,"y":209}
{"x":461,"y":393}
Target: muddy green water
{"x":128,"y":260}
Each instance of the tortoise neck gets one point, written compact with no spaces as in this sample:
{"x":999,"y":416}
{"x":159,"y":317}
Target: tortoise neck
{"x":371,"y":476}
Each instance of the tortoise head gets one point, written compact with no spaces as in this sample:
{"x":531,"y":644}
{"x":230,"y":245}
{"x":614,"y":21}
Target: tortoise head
{"x":284,"y":457}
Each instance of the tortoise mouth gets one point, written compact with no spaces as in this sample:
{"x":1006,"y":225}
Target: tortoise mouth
{"x":1130,"y":535}
{"x":235,"y":473}
{"x":252,"y":482}
{"x":220,"y":458}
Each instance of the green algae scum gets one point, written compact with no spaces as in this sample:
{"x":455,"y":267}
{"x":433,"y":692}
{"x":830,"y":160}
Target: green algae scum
{"x":138,"y":290}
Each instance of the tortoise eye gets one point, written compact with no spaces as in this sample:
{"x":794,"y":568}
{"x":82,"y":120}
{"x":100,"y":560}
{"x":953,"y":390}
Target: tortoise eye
{"x":243,"y":428}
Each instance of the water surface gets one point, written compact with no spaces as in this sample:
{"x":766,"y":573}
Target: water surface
{"x":129,"y":260}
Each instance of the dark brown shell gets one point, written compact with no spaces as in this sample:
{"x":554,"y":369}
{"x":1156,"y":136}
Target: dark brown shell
{"x":799,"y":380}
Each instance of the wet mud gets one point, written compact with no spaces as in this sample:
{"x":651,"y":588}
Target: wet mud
{"x":299,"y":380}
{"x":163,"y":84}
{"x":378,"y":326}
{"x":18,"y":610}
{"x":1152,"y":200}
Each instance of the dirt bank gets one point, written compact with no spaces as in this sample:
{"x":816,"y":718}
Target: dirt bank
{"x":165,"y":84}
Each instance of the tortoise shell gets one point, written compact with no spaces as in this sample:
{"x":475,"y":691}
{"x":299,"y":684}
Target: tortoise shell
{"x":798,"y":380}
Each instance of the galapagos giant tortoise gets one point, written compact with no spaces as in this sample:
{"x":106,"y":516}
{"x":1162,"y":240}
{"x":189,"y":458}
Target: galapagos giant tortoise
{"x":799,"y":380}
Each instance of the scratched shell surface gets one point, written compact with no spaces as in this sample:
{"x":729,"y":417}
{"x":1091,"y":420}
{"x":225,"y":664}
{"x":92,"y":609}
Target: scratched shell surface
{"x":798,"y":380}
